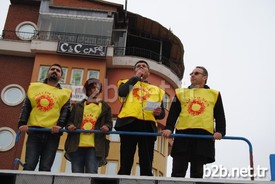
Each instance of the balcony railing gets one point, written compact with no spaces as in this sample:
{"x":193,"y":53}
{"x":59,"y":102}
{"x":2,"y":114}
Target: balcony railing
{"x":57,"y":36}
{"x":93,"y":40}
{"x":134,"y":51}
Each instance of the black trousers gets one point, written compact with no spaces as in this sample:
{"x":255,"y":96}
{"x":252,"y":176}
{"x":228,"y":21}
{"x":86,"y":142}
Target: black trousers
{"x":128,"y":145}
{"x":180,"y":165}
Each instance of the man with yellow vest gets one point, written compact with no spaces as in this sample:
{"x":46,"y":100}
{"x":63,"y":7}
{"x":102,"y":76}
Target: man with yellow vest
{"x":46,"y":106}
{"x":137,"y":93}
{"x":195,"y":110}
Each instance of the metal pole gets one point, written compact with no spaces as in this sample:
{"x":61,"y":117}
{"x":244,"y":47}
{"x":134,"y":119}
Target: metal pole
{"x":158,"y":134}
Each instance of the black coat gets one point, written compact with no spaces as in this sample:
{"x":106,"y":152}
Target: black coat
{"x":200,"y":146}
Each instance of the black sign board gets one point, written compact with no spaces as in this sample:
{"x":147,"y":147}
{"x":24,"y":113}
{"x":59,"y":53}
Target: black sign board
{"x":81,"y":49}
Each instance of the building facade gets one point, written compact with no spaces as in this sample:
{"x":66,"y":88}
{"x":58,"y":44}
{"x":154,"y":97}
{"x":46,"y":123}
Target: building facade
{"x":88,"y":38}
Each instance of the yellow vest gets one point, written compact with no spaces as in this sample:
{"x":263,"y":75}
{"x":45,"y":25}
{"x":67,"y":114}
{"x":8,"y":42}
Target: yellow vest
{"x":197,"y":108}
{"x":46,"y":102}
{"x":90,"y":116}
{"x":137,"y":99}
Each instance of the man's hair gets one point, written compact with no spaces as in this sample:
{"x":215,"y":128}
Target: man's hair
{"x":58,"y":65}
{"x":205,"y":72}
{"x":142,"y":61}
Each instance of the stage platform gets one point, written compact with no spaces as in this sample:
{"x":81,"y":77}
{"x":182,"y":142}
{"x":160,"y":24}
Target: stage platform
{"x":33,"y":177}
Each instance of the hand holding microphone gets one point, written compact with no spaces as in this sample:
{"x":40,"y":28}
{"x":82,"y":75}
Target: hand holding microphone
{"x":140,"y":74}
{"x":141,"y":77}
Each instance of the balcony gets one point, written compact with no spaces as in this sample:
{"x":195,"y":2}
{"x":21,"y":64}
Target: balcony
{"x":93,"y":40}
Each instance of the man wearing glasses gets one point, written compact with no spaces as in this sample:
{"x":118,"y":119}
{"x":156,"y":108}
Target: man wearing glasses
{"x":195,"y":110}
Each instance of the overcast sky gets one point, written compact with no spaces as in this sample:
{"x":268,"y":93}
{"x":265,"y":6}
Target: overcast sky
{"x":235,"y":41}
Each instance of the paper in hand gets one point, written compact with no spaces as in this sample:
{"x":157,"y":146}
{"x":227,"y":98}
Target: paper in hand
{"x":150,"y":106}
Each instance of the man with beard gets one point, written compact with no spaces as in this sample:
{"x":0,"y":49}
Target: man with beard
{"x":46,"y":106}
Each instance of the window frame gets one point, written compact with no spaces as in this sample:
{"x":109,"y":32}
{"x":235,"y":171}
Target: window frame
{"x":7,"y":88}
{"x":12,"y":142}
{"x":22,"y":34}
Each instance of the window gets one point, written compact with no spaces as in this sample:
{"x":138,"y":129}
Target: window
{"x":156,"y":144}
{"x":7,"y":138}
{"x":68,"y":168}
{"x":162,"y":145}
{"x":57,"y":161}
{"x":13,"y":95}
{"x":111,"y":168}
{"x":166,"y":101}
{"x":26,"y":30}
{"x":114,"y":137}
{"x":137,"y":170}
{"x":93,"y":74}
{"x":64,"y":76}
{"x":76,"y":78}
{"x":43,"y":70}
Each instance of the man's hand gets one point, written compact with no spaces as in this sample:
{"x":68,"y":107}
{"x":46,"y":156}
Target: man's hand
{"x":217,"y":136}
{"x":71,"y":127}
{"x":166,"y":133}
{"x":104,"y":128}
{"x":24,"y":128}
{"x":56,"y":129}
{"x":157,"y":111}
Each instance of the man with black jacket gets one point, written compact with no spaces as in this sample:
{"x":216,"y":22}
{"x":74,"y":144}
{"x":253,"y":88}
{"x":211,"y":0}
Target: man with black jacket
{"x":195,"y":110}
{"x":137,"y":92}
{"x":46,"y":106}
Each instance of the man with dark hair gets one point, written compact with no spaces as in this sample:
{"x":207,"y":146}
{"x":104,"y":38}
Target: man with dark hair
{"x":134,"y":117}
{"x":195,"y":110}
{"x":46,"y":106}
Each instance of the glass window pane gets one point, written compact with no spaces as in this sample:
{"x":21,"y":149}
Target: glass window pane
{"x":76,"y":78}
{"x":7,"y":138}
{"x":68,"y":168}
{"x":26,"y":30}
{"x":57,"y":161}
{"x":166,"y":101}
{"x":114,"y":137}
{"x":13,"y":94}
{"x":111,"y":168}
{"x":43,"y":73}
{"x":64,"y":76}
{"x":93,"y":74}
{"x":137,"y":170}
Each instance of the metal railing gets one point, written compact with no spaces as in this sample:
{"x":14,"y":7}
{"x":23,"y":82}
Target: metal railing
{"x":145,"y":53}
{"x":251,"y":162}
{"x":93,"y":40}
{"x":56,"y":36}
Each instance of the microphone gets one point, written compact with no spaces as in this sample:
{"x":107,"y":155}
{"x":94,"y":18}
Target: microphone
{"x":141,"y":77}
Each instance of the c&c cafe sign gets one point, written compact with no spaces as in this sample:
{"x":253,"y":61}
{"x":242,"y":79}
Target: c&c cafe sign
{"x":81,"y":49}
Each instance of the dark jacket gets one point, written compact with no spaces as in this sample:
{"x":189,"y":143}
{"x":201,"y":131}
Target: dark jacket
{"x":123,"y":91}
{"x":27,"y":108}
{"x":101,"y":143}
{"x":203,"y":147}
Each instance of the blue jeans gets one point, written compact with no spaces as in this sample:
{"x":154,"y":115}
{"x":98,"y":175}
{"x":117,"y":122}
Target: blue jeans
{"x":41,"y":147}
{"x":84,"y":160}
